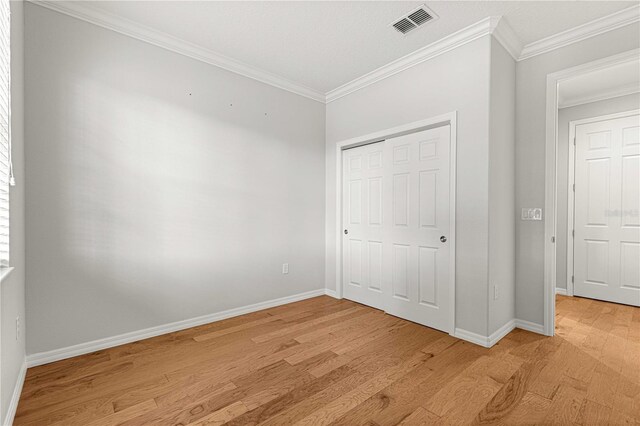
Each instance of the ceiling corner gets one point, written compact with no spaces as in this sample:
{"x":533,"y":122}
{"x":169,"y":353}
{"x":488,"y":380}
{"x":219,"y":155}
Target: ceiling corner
{"x":503,"y":32}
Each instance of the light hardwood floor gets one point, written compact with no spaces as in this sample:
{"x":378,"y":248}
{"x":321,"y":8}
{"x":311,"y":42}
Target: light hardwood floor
{"x":324,"y":361}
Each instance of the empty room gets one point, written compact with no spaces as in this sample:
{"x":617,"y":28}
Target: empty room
{"x":319,"y":212}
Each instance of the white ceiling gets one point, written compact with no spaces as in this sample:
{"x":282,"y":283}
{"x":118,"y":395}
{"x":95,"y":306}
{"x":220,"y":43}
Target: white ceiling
{"x":323,"y":45}
{"x":602,"y":84}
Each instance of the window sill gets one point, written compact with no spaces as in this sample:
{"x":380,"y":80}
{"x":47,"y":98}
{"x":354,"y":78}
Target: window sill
{"x":5,"y":272}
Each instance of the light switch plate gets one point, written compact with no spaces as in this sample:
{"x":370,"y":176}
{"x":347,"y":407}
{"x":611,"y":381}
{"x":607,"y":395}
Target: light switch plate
{"x":532,"y":213}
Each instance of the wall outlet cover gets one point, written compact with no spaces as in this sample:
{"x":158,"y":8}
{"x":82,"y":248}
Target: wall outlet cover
{"x":531,"y":213}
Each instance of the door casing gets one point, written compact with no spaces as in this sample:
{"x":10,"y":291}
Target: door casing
{"x":550,"y":175}
{"x":416,"y":126}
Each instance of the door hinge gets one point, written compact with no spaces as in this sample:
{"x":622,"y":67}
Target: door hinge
{"x":572,"y":279}
{"x":574,"y":187}
{"x":574,"y":141}
{"x":573,"y":233}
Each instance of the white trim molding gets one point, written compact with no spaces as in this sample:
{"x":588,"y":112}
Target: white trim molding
{"x":469,"y":336}
{"x":599,"y":26}
{"x":450,"y":42}
{"x":530,"y":326}
{"x":485,"y":341}
{"x":138,"y":31}
{"x":494,"y":25}
{"x":109,"y":342}
{"x":561,"y":291}
{"x":331,"y":293}
{"x":503,"y":32}
{"x":551,"y":177}
{"x":625,"y":90}
{"x":15,"y":396}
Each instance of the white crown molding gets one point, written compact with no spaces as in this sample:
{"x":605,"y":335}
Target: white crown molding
{"x":495,"y":25}
{"x":600,"y":96}
{"x":590,"y":29}
{"x":129,"y":28}
{"x":507,"y":38}
{"x":110,"y":342}
{"x":414,"y":58}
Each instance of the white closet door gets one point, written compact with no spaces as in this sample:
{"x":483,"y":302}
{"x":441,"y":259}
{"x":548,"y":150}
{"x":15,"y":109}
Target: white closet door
{"x":396,"y":222}
{"x":363,"y":224}
{"x":607,"y":205}
{"x":416,"y":243}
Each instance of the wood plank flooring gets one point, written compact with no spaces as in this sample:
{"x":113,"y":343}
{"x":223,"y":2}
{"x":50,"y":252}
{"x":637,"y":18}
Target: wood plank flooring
{"x":326,"y":361}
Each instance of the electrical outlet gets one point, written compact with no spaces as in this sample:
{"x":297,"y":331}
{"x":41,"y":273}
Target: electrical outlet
{"x":285,"y":268}
{"x":495,"y":292}
{"x":17,"y":328}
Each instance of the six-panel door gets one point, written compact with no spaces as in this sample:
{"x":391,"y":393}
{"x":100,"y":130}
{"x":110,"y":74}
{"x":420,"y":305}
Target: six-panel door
{"x":396,"y":212}
{"x":607,"y":210}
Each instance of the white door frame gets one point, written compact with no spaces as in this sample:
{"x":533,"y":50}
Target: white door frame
{"x":571,"y":181}
{"x":551,"y":179}
{"x":416,"y":126}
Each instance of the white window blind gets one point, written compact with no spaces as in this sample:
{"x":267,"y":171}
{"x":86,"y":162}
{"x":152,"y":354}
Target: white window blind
{"x":5,"y":131}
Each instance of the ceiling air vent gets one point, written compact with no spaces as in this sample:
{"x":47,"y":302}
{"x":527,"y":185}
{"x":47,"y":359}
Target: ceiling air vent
{"x":420,"y":16}
{"x":414,"y":19}
{"x":404,"y":25}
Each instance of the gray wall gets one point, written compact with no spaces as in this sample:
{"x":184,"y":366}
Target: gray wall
{"x":151,"y":199}
{"x":531,"y":81}
{"x":13,"y":351}
{"x":457,"y":80}
{"x":502,"y":229}
{"x":565,"y":115}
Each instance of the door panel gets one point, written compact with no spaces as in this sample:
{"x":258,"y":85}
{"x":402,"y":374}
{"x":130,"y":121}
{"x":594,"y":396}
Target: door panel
{"x":363,"y":218}
{"x":420,"y":191}
{"x":606,"y":211}
{"x":393,"y":256}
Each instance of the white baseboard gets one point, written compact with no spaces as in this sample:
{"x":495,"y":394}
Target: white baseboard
{"x":530,"y":326}
{"x":501,"y":332}
{"x":331,"y":293}
{"x":485,"y":341}
{"x":109,"y":342}
{"x":15,"y":398}
{"x":471,"y":337}
{"x":561,"y":291}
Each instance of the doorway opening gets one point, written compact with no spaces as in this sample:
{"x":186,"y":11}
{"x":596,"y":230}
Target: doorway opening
{"x":592,"y":230}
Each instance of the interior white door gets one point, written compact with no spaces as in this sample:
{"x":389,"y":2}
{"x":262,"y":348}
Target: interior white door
{"x":396,"y":220}
{"x":362,"y":245}
{"x":607,"y":210}
{"x":417,"y":242}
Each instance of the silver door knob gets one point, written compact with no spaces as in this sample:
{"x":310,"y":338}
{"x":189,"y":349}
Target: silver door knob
{"x":443,"y":239}
{"x":346,"y":231}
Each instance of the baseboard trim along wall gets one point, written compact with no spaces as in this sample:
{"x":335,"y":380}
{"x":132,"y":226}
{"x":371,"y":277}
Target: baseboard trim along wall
{"x":331,"y":293}
{"x":485,"y":341}
{"x":109,"y":342}
{"x":17,"y":390}
{"x":561,"y":291}
{"x":530,"y":326}
{"x":495,"y":337}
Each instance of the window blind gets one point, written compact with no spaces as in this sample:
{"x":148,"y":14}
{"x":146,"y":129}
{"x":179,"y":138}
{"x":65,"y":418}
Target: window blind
{"x":5,"y":131}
